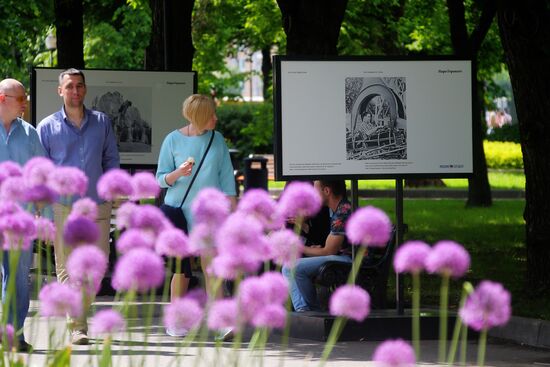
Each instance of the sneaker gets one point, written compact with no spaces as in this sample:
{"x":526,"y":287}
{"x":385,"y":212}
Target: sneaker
{"x":177,"y":332}
{"x":24,"y":347}
{"x":80,"y":337}
{"x":225,"y":335}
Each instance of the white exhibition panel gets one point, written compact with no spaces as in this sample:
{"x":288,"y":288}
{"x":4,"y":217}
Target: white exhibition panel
{"x":150,"y":100}
{"x":326,"y":108}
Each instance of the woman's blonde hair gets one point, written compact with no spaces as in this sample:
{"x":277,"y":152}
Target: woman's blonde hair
{"x":198,"y":109}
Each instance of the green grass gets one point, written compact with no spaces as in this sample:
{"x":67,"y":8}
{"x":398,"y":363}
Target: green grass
{"x":498,"y":179}
{"x":494,"y":237}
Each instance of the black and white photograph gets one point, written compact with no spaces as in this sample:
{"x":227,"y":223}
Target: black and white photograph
{"x":376,"y":118}
{"x":130,"y":112}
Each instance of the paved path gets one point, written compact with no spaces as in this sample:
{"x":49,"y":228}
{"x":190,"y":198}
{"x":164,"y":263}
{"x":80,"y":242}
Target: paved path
{"x":162,"y":350}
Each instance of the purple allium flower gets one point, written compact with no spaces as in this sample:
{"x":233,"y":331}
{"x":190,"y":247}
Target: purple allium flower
{"x":140,"y":269}
{"x":173,"y":242}
{"x":59,"y":300}
{"x":299,"y":199}
{"x":211,"y":206}
{"x":258,"y":202}
{"x":68,"y":181}
{"x":272,"y":316}
{"x":84,"y":207}
{"x":202,"y":240}
{"x":254,"y":294}
{"x":411,"y":257}
{"x":487,"y":306}
{"x":286,"y":247}
{"x":37,"y":171}
{"x":134,"y":238}
{"x":18,"y":230}
{"x":239,"y":231}
{"x":9,"y":332}
{"x":9,"y":208}
{"x":350,"y":301}
{"x":144,"y":186}
{"x":13,"y":189}
{"x":40,"y":195}
{"x":107,"y":322}
{"x":369,"y":226}
{"x":124,"y":215}
{"x":9,"y":169}
{"x":149,"y":218}
{"x":199,"y":295}
{"x":114,"y":184}
{"x":86,"y":267}
{"x":45,"y":230}
{"x":80,"y":230}
{"x":277,"y":286}
{"x":394,"y":353}
{"x":223,"y":314}
{"x":448,"y":258}
{"x":183,"y":313}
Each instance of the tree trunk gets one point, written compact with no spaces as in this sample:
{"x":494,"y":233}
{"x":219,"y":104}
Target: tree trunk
{"x":171,"y":46}
{"x":312,"y":27}
{"x":267,"y":67}
{"x":479,"y":190}
{"x":525,"y":35}
{"x":70,"y":33}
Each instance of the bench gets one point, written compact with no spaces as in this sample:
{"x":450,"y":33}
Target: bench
{"x":372,"y":275}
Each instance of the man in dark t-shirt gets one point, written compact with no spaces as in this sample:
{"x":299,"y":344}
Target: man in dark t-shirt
{"x":335,"y":248}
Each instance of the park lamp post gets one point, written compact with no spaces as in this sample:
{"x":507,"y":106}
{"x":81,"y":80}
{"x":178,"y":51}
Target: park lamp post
{"x":51,"y":45}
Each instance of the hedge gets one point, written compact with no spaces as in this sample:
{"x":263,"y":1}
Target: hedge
{"x":503,"y":155}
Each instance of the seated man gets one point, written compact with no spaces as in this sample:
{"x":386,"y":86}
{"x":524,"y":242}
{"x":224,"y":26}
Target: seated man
{"x":335,"y":248}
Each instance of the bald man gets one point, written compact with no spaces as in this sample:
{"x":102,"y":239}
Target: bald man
{"x":19,"y":142}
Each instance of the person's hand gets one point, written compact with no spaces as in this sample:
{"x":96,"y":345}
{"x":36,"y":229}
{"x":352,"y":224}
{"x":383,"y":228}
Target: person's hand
{"x":186,"y":168}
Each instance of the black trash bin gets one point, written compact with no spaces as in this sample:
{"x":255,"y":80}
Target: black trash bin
{"x":255,"y":172}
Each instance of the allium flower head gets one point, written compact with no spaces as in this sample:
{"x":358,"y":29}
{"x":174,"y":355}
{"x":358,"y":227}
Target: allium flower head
{"x":37,"y":171}
{"x":199,"y":295}
{"x":114,"y":184}
{"x":202,"y":240}
{"x":211,"y":206}
{"x":149,"y":218}
{"x":13,"y":189}
{"x":277,"y":286}
{"x":45,"y":230}
{"x":68,"y":181}
{"x":411,"y":257}
{"x":223,"y":314}
{"x":86,"y":267}
{"x":144,"y":186}
{"x":448,"y":258}
{"x":9,"y":208}
{"x":350,"y":301}
{"x":183,"y":313}
{"x":40,"y":195}
{"x":134,"y":238}
{"x":260,"y":204}
{"x":84,"y":207}
{"x":8,"y":169}
{"x":107,"y":322}
{"x":59,"y":300}
{"x":487,"y":306}
{"x":79,"y":230}
{"x":18,"y":230}
{"x":140,"y":269}
{"x":272,"y":316}
{"x":369,"y":226}
{"x":394,"y":353}
{"x":7,"y":332}
{"x":299,"y":199}
{"x":286,"y":247}
{"x":172,"y":242}
{"x":124,"y":215}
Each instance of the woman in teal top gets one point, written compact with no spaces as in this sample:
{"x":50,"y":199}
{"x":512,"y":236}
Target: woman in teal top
{"x":175,"y":169}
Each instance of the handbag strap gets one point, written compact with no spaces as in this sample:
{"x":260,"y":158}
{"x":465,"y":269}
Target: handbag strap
{"x":198,"y":168}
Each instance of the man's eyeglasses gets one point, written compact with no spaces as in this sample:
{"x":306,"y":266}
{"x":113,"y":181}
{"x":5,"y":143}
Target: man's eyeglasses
{"x":19,"y":99}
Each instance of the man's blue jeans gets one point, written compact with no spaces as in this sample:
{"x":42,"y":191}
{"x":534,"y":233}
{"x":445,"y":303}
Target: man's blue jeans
{"x":302,"y":289}
{"x":22,"y":287}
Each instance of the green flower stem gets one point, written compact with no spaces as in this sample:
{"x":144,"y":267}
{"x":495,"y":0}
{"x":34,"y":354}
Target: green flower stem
{"x":416,"y":313}
{"x":48,"y":265}
{"x":482,"y":347}
{"x":466,"y":290}
{"x":167,"y":279}
{"x":463,"y":345}
{"x":356,"y":264}
{"x":106,"y":359}
{"x":443,"y":304}
{"x":335,"y":332}
{"x":286,"y":332}
{"x":39,"y":268}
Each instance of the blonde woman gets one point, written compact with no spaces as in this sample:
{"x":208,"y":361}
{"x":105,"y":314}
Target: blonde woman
{"x":175,"y":172}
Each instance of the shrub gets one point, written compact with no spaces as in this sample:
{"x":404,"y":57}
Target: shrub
{"x":505,"y":133}
{"x":503,"y":155}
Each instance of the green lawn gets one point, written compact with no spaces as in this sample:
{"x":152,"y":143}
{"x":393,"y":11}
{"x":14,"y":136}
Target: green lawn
{"x":493,"y":236}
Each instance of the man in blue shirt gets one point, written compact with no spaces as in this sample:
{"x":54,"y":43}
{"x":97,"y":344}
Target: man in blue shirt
{"x":19,"y":142}
{"x":78,"y":137}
